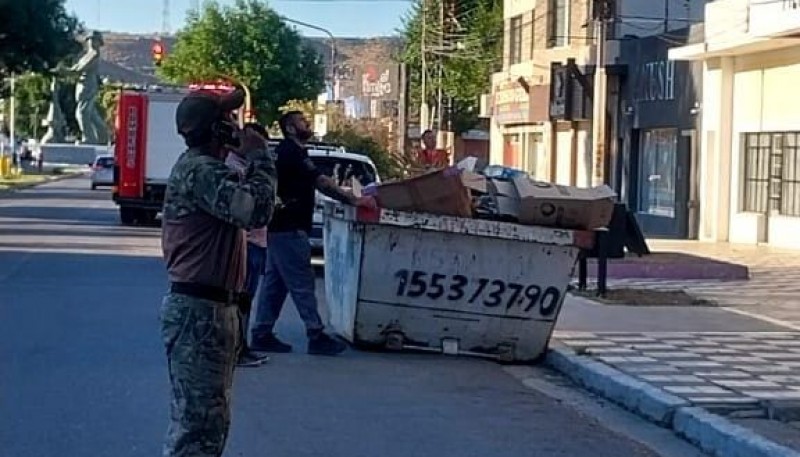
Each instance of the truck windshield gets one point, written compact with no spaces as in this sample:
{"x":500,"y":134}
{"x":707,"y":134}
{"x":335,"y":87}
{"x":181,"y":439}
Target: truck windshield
{"x":342,"y":170}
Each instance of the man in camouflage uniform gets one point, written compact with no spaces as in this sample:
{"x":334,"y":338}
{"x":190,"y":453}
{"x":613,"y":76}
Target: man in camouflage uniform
{"x":207,"y":209}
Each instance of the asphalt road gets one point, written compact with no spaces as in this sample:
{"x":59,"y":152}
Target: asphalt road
{"x":83,"y":372}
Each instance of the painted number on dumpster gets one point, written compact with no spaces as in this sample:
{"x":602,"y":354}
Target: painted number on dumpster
{"x":491,"y":293}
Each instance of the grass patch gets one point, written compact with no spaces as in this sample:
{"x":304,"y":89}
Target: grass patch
{"x":21,"y":180}
{"x":644,"y":297}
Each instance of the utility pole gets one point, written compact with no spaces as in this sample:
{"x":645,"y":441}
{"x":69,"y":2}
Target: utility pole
{"x":603,"y":11}
{"x":402,"y":110}
{"x":440,"y":62}
{"x":423,"y":106}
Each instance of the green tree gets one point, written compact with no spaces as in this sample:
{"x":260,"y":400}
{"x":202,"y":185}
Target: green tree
{"x":32,"y":93}
{"x":248,"y":42}
{"x":469,"y":48}
{"x":36,"y":35}
{"x":357,"y":139}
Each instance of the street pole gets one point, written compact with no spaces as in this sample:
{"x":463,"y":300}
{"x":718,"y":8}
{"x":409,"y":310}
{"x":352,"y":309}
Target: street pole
{"x":402,"y":111}
{"x":423,"y":107}
{"x":600,"y":94}
{"x":12,"y":117}
{"x":440,"y":62}
{"x":334,"y":73}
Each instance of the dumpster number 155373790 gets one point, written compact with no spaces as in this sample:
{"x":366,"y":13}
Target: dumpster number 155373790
{"x":491,"y":293}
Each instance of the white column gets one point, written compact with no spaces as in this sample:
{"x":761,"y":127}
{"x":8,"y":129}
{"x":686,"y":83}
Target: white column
{"x":727,"y":183}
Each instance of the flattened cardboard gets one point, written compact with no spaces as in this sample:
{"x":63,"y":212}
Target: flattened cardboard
{"x":474,"y":182}
{"x":553,"y":205}
{"x":441,"y":192}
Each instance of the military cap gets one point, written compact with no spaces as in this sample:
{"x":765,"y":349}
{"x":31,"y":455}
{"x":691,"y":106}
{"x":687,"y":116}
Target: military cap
{"x":199,"y":109}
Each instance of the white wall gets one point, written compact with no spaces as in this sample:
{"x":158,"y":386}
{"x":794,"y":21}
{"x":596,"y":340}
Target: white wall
{"x":765,"y":101}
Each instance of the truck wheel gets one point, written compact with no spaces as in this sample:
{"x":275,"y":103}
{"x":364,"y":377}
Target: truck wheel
{"x":127,"y":215}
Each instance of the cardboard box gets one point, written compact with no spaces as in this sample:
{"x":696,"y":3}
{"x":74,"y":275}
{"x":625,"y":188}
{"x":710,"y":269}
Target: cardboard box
{"x":552,"y":205}
{"x":506,"y":199}
{"x":442,"y":192}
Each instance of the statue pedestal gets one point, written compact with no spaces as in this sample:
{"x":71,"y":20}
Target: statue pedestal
{"x":65,"y":154}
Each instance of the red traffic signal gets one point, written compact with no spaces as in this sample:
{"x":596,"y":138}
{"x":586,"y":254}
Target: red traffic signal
{"x":158,"y":52}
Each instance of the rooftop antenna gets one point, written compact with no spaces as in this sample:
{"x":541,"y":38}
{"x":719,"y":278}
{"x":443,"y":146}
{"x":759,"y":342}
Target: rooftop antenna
{"x":165,"y":19}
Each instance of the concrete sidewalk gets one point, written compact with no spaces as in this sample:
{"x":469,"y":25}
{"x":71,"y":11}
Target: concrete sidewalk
{"x":727,"y":382}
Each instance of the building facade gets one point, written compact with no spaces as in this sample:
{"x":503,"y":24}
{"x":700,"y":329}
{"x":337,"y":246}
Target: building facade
{"x":658,"y":135}
{"x":539,"y":34}
{"x":541,"y":102}
{"x":750,"y":139}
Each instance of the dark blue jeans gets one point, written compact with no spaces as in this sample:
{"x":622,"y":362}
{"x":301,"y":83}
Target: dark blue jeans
{"x":256,"y":257}
{"x":288,"y":271}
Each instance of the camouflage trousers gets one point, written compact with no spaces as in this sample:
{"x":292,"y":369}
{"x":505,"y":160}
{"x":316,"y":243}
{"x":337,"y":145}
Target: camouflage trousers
{"x":201,"y":339}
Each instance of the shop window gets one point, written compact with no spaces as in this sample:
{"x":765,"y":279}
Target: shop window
{"x":515,"y":40}
{"x":557,"y":23}
{"x":657,"y":172}
{"x":771,"y":178}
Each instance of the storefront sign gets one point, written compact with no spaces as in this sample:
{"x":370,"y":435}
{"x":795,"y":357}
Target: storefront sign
{"x":511,"y":104}
{"x":568,"y":92}
{"x":655,"y":81}
{"x":560,"y":92}
{"x":378,"y":82}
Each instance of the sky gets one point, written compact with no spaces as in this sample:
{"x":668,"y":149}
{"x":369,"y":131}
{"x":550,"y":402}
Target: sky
{"x":344,"y":18}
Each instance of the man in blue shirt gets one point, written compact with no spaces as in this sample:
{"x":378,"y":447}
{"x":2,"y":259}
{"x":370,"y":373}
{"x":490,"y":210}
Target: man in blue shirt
{"x":288,"y":265}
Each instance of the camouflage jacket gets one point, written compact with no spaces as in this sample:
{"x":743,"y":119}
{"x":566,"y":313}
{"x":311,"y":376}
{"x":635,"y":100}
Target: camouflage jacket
{"x":207,"y":208}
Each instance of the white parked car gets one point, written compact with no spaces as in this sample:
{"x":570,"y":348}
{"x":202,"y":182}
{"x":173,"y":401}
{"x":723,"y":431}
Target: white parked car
{"x":342,"y":166}
{"x":103,"y":171}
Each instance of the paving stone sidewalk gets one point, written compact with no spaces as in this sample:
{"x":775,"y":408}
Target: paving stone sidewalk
{"x":709,"y":369}
{"x":773,"y":290}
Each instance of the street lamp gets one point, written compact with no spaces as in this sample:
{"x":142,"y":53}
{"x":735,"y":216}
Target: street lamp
{"x":334,"y":78}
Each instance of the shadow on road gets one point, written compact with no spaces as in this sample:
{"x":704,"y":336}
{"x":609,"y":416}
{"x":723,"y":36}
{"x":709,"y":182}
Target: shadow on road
{"x":77,"y":246}
{"x":60,"y":213}
{"x":99,"y":231}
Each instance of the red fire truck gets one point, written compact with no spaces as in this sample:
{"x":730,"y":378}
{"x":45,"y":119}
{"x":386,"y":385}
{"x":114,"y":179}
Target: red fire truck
{"x":148,"y":145}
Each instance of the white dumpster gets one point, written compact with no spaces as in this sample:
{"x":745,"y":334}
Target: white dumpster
{"x":459,"y":286}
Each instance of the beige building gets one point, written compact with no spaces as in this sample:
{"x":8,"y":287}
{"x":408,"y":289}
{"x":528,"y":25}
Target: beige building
{"x":538,"y":33}
{"x":750,"y":140}
{"x":540,"y":102}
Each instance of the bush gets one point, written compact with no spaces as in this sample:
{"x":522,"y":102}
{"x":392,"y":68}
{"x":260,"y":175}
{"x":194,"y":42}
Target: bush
{"x":360,"y":138}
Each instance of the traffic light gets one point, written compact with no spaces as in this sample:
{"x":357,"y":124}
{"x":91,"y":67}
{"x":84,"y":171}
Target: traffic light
{"x":158,"y":53}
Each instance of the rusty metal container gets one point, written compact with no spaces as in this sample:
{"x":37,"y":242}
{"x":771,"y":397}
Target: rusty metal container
{"x":455,"y":285}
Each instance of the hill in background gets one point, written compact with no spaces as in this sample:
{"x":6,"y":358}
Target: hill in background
{"x":128,"y":58}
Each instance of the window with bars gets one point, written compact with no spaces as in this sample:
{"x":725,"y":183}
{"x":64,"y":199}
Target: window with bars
{"x":771,"y":181}
{"x":515,"y":40}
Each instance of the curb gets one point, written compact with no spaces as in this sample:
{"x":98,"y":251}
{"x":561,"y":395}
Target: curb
{"x":711,"y":433}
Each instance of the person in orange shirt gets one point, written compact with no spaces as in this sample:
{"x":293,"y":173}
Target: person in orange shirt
{"x":429,"y":157}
